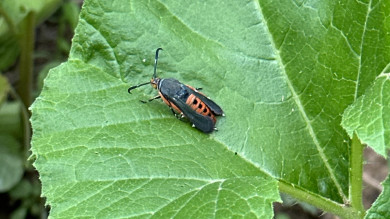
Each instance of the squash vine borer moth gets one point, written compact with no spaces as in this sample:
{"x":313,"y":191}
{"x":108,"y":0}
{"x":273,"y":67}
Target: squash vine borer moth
{"x":185,"y":101}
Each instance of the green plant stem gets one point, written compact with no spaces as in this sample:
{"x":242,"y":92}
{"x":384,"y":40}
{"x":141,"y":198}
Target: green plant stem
{"x":320,"y":202}
{"x":26,"y":41}
{"x":356,"y":173}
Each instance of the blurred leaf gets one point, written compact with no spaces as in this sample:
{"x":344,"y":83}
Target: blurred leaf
{"x":283,"y":73}
{"x":9,"y":51}
{"x":10,"y":119}
{"x":27,"y":195}
{"x":380,"y":208}
{"x":71,"y":12}
{"x":19,"y":213}
{"x":12,"y":13}
{"x":4,"y":88}
{"x":11,"y":164}
{"x":282,"y":216}
{"x":22,"y":190}
{"x":18,"y":9}
{"x":63,"y":45}
{"x":369,"y":116}
{"x":68,"y":20}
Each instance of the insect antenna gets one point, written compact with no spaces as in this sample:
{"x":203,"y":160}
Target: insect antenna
{"x":155,"y":63}
{"x":135,"y":86}
{"x":154,"y":73}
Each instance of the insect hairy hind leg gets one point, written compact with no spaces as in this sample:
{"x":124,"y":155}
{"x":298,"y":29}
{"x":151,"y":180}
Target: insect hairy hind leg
{"x":179,"y":116}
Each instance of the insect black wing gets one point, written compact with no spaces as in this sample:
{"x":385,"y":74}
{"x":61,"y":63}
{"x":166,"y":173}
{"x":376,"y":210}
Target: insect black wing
{"x":211,"y":104}
{"x":201,"y":122}
{"x":177,"y":93}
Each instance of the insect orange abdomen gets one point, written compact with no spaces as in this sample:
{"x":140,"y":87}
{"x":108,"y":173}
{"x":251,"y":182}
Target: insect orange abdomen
{"x":200,"y":107}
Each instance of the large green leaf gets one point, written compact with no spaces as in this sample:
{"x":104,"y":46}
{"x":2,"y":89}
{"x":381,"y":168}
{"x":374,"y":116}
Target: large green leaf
{"x":282,"y":72}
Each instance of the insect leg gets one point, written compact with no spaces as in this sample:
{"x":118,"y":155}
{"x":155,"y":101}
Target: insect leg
{"x":156,"y":97}
{"x":173,"y":111}
{"x":178,"y":116}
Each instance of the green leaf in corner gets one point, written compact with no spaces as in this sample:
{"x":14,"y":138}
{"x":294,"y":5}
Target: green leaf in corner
{"x":369,"y":116}
{"x":380,"y":208}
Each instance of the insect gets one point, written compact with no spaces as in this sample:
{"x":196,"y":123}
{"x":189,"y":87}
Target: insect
{"x":184,"y":101}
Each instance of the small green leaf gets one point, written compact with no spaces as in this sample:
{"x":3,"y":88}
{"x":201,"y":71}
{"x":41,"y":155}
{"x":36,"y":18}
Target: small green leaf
{"x":369,"y":116}
{"x":380,"y":208}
